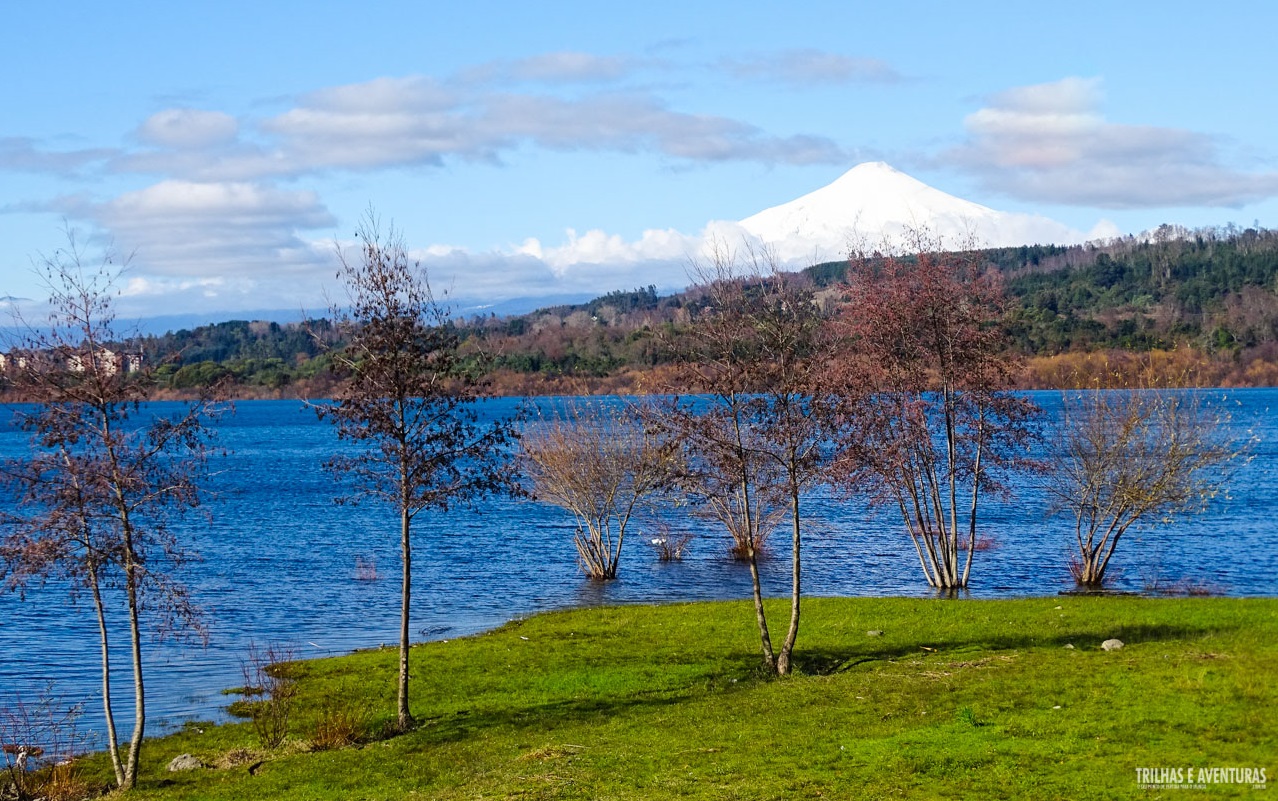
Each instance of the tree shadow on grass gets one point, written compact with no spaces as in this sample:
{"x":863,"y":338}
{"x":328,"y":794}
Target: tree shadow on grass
{"x":734,"y":674}
{"x":740,"y":672}
{"x":824,"y":661}
{"x":459,"y":726}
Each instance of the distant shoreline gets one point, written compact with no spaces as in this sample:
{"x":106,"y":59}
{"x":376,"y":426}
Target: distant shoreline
{"x":1060,"y":372}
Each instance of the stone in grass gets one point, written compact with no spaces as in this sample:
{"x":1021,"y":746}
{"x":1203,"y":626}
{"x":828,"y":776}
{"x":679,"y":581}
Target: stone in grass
{"x":874,"y":633}
{"x":1112,"y":645}
{"x":185,"y":762}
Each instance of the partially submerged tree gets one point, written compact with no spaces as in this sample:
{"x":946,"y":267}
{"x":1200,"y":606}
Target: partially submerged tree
{"x":407,"y":404}
{"x":755,"y":437}
{"x":928,"y":423}
{"x":1123,"y":458}
{"x":105,"y":477}
{"x":599,"y":463}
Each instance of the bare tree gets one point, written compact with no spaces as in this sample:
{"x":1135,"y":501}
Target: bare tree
{"x":104,"y":479}
{"x":756,"y":437}
{"x":408,"y":400}
{"x":602,"y":465}
{"x":1131,"y":457}
{"x":928,"y":423}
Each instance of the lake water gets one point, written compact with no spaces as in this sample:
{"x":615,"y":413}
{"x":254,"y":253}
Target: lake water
{"x":279,"y":563}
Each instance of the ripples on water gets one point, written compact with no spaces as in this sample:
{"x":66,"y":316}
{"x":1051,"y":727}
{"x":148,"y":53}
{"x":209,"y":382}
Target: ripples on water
{"x":279,"y":563}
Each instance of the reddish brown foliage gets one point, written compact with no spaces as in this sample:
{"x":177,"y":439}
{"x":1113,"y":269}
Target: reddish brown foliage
{"x":928,"y":425}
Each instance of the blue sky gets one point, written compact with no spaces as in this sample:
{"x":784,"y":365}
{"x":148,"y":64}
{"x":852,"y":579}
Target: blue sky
{"x":540,"y":148}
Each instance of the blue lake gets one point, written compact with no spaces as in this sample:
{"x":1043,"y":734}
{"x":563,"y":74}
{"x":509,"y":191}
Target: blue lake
{"x":279,"y":563}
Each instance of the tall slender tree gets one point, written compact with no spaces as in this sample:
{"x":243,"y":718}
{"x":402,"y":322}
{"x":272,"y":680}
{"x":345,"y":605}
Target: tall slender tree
{"x":756,"y":435}
{"x":104,"y":479}
{"x":408,"y":404}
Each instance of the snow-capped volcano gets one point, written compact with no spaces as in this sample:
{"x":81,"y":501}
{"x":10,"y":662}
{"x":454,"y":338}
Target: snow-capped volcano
{"x":872,"y":204}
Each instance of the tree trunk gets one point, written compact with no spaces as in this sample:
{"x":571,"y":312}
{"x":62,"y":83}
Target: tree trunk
{"x":405,"y":523}
{"x":769,"y":663}
{"x":139,"y":693}
{"x":616,"y":555}
{"x":976,"y":496}
{"x":751,"y":524}
{"x":1098,"y":575}
{"x":1089,"y":574}
{"x":951,"y":470}
{"x":792,"y":634}
{"x":113,"y":743}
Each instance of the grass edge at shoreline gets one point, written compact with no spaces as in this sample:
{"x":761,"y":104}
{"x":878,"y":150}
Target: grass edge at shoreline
{"x":947,"y":702}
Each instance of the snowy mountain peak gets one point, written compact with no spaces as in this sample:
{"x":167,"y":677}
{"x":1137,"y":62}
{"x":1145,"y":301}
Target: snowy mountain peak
{"x":876,"y":175}
{"x":874,"y":203}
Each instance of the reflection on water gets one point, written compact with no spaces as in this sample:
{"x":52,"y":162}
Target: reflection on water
{"x":283,"y":563}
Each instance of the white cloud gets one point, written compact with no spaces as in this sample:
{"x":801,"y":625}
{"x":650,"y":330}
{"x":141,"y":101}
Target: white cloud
{"x":240,"y":246}
{"x":1104,"y":229}
{"x":399,"y":122}
{"x":183,"y":128}
{"x":637,"y":122}
{"x":491,"y":275}
{"x":417,"y":120}
{"x":159,"y":287}
{"x":590,"y":262}
{"x":26,"y":155}
{"x":593,"y":262}
{"x":807,"y":67}
{"x":598,"y":247}
{"x":233,"y":205}
{"x":560,"y":67}
{"x":1071,"y":95}
{"x":1051,"y":143}
{"x":409,"y":94}
{"x":569,"y":66}
{"x":504,"y":275}
{"x":212,"y":230}
{"x":216,"y":245}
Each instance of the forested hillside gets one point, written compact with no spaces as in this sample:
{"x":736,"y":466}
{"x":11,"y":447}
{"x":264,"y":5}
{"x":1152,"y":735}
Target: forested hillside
{"x":1209,"y":295}
{"x":260,"y":354}
{"x":1214,"y":289}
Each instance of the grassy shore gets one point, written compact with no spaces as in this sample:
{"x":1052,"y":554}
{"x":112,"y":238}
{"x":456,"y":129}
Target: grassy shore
{"x":955,"y":699}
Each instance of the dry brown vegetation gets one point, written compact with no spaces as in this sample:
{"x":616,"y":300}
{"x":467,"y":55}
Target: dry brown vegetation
{"x":603,"y":466}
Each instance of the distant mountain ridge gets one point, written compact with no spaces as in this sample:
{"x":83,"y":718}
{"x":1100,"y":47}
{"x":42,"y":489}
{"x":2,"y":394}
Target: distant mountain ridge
{"x":1206,"y":297}
{"x":11,"y":335}
{"x":874,"y":202}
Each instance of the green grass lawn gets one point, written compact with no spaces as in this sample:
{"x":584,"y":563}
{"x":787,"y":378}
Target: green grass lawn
{"x":956,"y":699}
